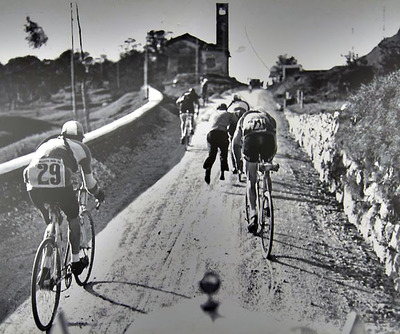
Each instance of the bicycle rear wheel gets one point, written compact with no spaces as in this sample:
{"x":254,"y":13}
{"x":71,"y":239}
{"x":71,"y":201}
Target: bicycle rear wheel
{"x":45,"y":294}
{"x":87,"y":247}
{"x":266,"y":216}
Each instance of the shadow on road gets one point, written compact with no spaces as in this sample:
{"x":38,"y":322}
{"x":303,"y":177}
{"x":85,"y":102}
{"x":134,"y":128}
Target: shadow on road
{"x":91,"y":288}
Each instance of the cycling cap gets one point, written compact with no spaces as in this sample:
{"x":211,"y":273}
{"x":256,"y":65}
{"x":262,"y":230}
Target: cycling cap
{"x":73,"y":129}
{"x":222,"y":106}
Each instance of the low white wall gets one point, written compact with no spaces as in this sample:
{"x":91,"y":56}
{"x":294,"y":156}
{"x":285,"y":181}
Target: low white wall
{"x":155,"y":97}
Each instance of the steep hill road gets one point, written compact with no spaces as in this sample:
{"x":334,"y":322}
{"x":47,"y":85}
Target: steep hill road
{"x":152,"y":255}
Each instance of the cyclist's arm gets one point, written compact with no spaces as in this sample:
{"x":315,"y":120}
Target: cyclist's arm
{"x":84,"y":159}
{"x":237,"y":136}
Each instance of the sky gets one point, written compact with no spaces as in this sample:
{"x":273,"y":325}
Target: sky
{"x":316,"y":32}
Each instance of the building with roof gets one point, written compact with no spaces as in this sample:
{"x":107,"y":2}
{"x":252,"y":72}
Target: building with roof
{"x":189,"y":54}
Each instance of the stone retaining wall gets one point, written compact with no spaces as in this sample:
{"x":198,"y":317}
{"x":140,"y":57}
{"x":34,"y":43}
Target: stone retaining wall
{"x":364,"y":198}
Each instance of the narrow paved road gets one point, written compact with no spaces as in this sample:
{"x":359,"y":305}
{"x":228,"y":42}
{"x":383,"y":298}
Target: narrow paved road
{"x":153,"y":254}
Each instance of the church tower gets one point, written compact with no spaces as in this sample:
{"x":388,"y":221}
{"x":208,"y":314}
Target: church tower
{"x":223,"y":28}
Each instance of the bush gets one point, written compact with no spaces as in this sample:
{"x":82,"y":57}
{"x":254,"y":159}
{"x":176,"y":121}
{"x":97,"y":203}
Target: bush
{"x":369,"y":131}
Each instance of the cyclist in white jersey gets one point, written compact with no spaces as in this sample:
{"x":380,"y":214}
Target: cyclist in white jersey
{"x":49,"y":176}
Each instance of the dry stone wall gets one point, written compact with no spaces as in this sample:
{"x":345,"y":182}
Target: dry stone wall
{"x":365,"y":198}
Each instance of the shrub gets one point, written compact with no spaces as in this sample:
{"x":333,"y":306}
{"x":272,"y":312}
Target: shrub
{"x":369,"y":131}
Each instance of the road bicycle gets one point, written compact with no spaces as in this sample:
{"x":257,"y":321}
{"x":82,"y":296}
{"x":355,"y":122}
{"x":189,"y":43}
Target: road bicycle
{"x":265,"y":208}
{"x":188,"y":129}
{"x":52,"y":271}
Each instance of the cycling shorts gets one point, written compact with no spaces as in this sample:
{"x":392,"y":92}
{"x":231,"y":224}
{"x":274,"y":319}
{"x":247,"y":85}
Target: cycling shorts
{"x":65,"y":197}
{"x":259,"y":144}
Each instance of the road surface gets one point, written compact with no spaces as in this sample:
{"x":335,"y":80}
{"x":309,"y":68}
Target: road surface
{"x":151,"y":257}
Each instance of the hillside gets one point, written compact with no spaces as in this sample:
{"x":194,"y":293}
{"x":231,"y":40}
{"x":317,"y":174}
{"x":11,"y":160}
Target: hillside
{"x":337,"y":82}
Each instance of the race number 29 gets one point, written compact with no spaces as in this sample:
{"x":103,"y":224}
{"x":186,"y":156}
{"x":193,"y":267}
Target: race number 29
{"x":49,"y":173}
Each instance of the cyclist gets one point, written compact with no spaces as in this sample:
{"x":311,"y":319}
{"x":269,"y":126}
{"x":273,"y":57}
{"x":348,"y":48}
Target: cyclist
{"x":48,"y":179}
{"x":186,"y":104}
{"x":217,"y":138}
{"x":238,"y":107}
{"x":204,"y":91}
{"x":255,"y":136}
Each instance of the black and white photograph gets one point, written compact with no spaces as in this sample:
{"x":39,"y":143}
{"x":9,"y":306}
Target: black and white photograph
{"x":192,"y":166}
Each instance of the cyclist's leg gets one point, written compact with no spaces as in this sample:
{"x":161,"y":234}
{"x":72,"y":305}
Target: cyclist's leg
{"x":251,"y":174}
{"x":37,"y":199}
{"x":70,"y":206}
{"x":250,"y":152}
{"x":212,"y":150}
{"x":191,"y":123}
{"x":182,"y":116}
{"x":224,"y":146}
{"x":212,"y":155}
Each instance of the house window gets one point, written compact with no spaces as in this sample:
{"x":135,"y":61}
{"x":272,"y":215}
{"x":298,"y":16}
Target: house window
{"x":210,"y":62}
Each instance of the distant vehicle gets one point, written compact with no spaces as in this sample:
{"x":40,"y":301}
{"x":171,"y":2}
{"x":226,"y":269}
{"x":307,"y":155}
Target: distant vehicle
{"x":255,"y":84}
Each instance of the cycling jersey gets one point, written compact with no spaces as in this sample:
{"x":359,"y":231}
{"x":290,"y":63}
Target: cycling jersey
{"x":256,"y":122}
{"x":186,"y":102}
{"x":55,"y":162}
{"x":221,"y":119}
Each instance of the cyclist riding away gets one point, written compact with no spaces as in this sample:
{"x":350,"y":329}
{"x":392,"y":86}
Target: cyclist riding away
{"x":255,"y":136}
{"x":186,"y":107}
{"x":217,"y":138}
{"x":49,"y":176}
{"x":237,"y":107}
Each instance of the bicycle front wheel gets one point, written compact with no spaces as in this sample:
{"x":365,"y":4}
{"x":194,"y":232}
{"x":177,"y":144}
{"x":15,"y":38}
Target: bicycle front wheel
{"x":87,"y":247}
{"x":267,"y":222}
{"x":45,"y":284}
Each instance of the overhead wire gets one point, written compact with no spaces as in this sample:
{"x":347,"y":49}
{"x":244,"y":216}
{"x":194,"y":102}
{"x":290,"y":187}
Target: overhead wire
{"x":254,"y":50}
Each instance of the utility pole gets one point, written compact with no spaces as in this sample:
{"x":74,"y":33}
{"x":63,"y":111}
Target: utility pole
{"x":83,"y":84}
{"x":145,"y":68}
{"x":72,"y":67}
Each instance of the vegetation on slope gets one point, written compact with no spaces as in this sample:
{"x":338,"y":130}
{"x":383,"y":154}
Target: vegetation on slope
{"x":369,"y":133}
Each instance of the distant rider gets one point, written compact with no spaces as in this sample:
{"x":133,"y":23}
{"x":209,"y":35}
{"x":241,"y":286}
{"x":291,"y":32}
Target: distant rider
{"x":204,"y":91}
{"x":217,"y":138}
{"x":48,"y":179}
{"x":186,"y":107}
{"x":237,"y":107}
{"x":256,"y":136}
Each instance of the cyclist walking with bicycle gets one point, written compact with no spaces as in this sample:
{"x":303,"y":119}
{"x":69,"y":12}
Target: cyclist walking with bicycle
{"x":217,"y":138}
{"x":254,"y":137}
{"x":186,"y":107}
{"x":48,"y":179}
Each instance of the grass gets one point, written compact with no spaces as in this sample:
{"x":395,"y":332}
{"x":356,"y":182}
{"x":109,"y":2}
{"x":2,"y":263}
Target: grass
{"x":23,"y":129}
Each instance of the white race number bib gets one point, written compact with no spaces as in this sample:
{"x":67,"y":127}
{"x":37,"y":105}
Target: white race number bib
{"x":47,"y":173}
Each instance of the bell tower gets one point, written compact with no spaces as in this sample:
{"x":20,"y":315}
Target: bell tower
{"x":222,"y":26}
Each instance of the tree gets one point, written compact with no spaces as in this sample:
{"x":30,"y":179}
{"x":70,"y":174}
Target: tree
{"x":36,"y":35}
{"x":157,"y":58}
{"x":276,"y":70}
